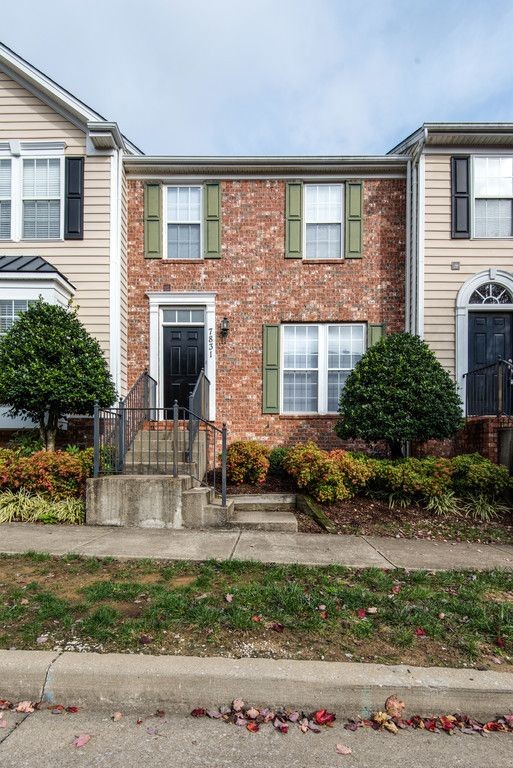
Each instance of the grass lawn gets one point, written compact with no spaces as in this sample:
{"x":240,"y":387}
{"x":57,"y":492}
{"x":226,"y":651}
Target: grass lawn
{"x":451,"y":618}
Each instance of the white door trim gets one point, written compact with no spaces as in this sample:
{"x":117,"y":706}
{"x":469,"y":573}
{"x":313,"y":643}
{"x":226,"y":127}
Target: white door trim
{"x":161,"y":299}
{"x":462,"y":309}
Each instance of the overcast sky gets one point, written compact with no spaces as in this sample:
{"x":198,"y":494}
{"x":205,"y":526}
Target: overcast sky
{"x":272,"y":76}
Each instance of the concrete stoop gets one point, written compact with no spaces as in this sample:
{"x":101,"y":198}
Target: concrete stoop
{"x":264,"y":512}
{"x":153,"y":501}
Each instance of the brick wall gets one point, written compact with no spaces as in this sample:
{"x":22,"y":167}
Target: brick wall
{"x":256,"y":285}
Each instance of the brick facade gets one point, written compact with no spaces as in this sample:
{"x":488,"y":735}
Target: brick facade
{"x":256,"y":285}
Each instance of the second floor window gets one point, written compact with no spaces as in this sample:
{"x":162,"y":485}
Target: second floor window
{"x":323,"y":221}
{"x":183,"y":222}
{"x":41,"y":199}
{"x":5,"y":199}
{"x":493,"y":196}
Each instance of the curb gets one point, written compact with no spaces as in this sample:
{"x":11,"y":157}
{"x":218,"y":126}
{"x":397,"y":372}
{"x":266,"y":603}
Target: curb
{"x":181,"y":683}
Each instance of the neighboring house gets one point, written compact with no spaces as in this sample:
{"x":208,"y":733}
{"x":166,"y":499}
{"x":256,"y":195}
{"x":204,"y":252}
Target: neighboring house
{"x":272,"y":274}
{"x":62,"y":207}
{"x":460,"y":268}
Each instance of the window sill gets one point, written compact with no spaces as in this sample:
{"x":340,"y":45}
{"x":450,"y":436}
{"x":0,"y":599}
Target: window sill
{"x":185,"y":261}
{"x":323,"y":261}
{"x":309,"y":416}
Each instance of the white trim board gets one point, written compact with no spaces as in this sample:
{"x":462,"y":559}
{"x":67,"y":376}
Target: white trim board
{"x":162,"y":299}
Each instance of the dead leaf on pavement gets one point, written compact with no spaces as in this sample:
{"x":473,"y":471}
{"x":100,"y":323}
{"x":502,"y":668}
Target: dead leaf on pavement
{"x":116,"y":716}
{"x":25,"y":706}
{"x":394,"y":707}
{"x":341,"y":749}
{"x":81,"y":741}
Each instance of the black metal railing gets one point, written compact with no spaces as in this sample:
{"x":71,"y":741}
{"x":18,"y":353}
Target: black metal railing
{"x":488,"y":390}
{"x":199,"y":402}
{"x":136,"y":437}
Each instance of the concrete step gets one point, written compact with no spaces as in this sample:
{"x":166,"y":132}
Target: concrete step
{"x":164,"y":453}
{"x":264,"y":520}
{"x":148,"y":468}
{"x":154,"y":437}
{"x":202,"y":509}
{"x":263,"y":502}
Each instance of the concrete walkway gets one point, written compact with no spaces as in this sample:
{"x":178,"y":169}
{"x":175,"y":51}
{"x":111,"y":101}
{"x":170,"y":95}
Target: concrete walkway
{"x":303,"y":548}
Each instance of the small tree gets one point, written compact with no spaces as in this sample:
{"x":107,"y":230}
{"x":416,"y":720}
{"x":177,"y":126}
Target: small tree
{"x":50,"y":366}
{"x":399,"y":391}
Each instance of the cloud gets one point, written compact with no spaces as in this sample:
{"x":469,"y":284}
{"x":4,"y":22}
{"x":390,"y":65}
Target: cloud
{"x":274,"y":76}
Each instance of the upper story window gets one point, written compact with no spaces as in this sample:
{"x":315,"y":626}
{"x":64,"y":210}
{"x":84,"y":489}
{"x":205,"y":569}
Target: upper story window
{"x":324,"y":221}
{"x":493,"y":196}
{"x":183,"y":222}
{"x":32,"y":191}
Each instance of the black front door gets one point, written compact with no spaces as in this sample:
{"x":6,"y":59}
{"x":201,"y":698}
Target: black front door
{"x":184,"y":357}
{"x":489,"y":338}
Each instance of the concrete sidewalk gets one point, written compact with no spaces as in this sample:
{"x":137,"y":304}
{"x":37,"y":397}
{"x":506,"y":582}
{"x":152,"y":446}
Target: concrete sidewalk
{"x":302,"y":548}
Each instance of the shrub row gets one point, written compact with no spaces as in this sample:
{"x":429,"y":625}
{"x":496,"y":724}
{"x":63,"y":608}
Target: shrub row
{"x":337,"y":475}
{"x":56,"y":475}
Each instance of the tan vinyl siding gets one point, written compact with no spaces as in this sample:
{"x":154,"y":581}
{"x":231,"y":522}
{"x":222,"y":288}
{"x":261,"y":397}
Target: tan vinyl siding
{"x":124,"y":285}
{"x":441,"y":284}
{"x":84,"y":262}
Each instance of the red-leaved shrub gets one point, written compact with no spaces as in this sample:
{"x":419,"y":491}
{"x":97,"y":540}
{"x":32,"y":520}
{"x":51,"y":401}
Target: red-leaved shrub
{"x":58,"y":475}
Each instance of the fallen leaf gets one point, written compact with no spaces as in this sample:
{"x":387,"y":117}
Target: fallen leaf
{"x":116,"y":716}
{"x":81,"y":741}
{"x":215,"y":714}
{"x":58,"y":710}
{"x":396,"y":589}
{"x":145,"y":640}
{"x":139,"y":721}
{"x":394,"y":707}
{"x":72,"y":710}
{"x":361,"y":613}
{"x":24,"y":601}
{"x":313,"y":726}
{"x":152,"y":731}
{"x":277,"y":626}
{"x":282,"y":728}
{"x":240,"y":720}
{"x":256,"y":618}
{"x":228,"y":598}
{"x":252,"y":713}
{"x":293,"y":717}
{"x":420,"y":632}
{"x":322,"y":607}
{"x":391,"y":726}
{"x":42,"y":639}
{"x":500,"y":642}
{"x":25,"y":706}
{"x":4,"y":704}
{"x":371,"y":611}
{"x":341,"y":749}
{"x":323,"y":717}
{"x":253,"y":727}
{"x":237,"y":705}
{"x":198,"y":712}
{"x":323,"y":614}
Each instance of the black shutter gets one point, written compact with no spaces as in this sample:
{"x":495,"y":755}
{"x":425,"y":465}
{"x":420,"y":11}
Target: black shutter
{"x":460,"y":197}
{"x":74,"y":202}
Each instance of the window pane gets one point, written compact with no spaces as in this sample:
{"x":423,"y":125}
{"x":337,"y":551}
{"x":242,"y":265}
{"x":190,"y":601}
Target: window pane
{"x":323,"y":203}
{"x":41,"y":178}
{"x":493,"y":218}
{"x":183,"y":241}
{"x":493,"y":176}
{"x":300,"y":391}
{"x":9,"y":311}
{"x":300,"y":346}
{"x":323,"y":241}
{"x":197,"y":316}
{"x":5,"y":178}
{"x":336,"y":382}
{"x":5,"y":219}
{"x":169,"y":315}
{"x":184,"y":204}
{"x":41,"y":219}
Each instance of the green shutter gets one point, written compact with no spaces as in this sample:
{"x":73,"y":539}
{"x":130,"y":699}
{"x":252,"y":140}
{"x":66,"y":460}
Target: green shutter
{"x":375,"y":334}
{"x":152,"y":221}
{"x":271,"y":369}
{"x":353,"y":222}
{"x":212,"y":221}
{"x":293,"y":220}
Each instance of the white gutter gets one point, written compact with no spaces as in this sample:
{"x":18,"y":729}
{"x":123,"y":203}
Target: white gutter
{"x":115,"y":268}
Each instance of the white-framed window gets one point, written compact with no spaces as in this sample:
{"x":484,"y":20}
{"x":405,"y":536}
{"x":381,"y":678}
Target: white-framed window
{"x":31,"y":190}
{"x":41,"y":198}
{"x":315,"y":363}
{"x":493,"y":196}
{"x":183,"y":234}
{"x":324,"y":217}
{"x":5,"y":198}
{"x":10,"y":310}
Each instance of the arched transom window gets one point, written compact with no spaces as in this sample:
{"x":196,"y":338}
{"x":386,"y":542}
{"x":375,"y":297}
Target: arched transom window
{"x":491,"y":293}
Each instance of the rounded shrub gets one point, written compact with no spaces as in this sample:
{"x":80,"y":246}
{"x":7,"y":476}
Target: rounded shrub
{"x":276,"y":459}
{"x":247,"y":461}
{"x":317,"y":472}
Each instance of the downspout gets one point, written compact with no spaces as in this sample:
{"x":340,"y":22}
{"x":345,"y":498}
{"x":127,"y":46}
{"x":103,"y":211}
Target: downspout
{"x":115,"y":269}
{"x":407,"y":296}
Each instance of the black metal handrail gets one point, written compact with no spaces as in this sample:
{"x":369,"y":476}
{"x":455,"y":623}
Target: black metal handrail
{"x":489,"y":389}
{"x":136,"y":437}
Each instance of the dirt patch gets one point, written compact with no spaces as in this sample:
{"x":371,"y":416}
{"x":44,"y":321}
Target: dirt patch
{"x":182,"y":581}
{"x":500,"y":597}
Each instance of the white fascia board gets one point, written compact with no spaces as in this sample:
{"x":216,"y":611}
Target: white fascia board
{"x":36,"y":281}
